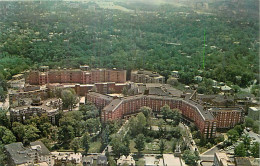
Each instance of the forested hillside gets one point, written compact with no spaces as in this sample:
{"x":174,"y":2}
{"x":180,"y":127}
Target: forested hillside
{"x":160,"y":38}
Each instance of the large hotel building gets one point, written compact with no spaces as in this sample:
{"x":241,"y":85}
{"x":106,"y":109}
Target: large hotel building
{"x":153,"y":93}
{"x":207,"y":119}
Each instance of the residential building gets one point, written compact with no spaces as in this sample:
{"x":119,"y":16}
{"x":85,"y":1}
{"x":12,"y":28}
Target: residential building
{"x":175,"y":74}
{"x":129,"y":160}
{"x":247,"y":161}
{"x":81,"y":76}
{"x":122,"y":107}
{"x":206,"y":118}
{"x":87,"y":161}
{"x":253,"y":112}
{"x":144,"y":76}
{"x":29,"y":108}
{"x":99,"y":100}
{"x":227,"y":117}
{"x":102,"y":160}
{"x":35,"y":153}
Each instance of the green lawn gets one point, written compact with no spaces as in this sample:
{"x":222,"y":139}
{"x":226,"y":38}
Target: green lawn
{"x":202,"y":149}
{"x":94,"y":147}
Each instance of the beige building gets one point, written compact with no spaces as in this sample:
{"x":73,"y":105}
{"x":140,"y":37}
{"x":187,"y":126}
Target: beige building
{"x":35,"y":154}
{"x":144,"y":76}
{"x":221,"y":159}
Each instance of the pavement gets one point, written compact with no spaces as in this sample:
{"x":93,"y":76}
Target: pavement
{"x":207,"y":158}
{"x":169,"y":160}
{"x":190,"y":139}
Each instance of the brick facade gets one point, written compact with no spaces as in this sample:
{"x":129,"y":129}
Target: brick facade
{"x":227,"y":117}
{"x":119,"y":108}
{"x":206,"y":119}
{"x":99,"y":100}
{"x":76,"y":76}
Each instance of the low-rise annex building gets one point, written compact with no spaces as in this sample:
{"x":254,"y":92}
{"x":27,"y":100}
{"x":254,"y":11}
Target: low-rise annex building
{"x":35,"y":153}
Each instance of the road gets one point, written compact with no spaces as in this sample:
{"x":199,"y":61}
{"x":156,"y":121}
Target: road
{"x":190,"y":139}
{"x":252,"y":135}
{"x":211,"y":151}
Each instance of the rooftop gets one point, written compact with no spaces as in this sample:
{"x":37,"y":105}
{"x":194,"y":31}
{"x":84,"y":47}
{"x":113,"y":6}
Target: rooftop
{"x":255,"y":108}
{"x":40,"y":147}
{"x":106,"y":97}
{"x":19,"y":153}
{"x":225,"y":109}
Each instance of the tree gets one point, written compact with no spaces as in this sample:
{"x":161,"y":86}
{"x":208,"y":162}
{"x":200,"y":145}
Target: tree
{"x":19,"y":131}
{"x":3,"y":156}
{"x":232,"y":135}
{"x":161,"y":128}
{"x":249,"y":122}
{"x":255,"y":149}
{"x":2,"y":94}
{"x":256,"y":127}
{"x":31,"y":133}
{"x":88,"y":111}
{"x":86,"y":142}
{"x":166,"y":112}
{"x":239,"y":129}
{"x":147,"y":111}
{"x":6,"y":135}
{"x":120,"y":146}
{"x":176,"y":132}
{"x":65,"y":135}
{"x":117,"y":146}
{"x":125,"y":148}
{"x":139,"y":142}
{"x":4,"y":121}
{"x":174,"y":144}
{"x":175,"y":117}
{"x":125,"y":91}
{"x":162,"y":147}
{"x":111,"y":161}
{"x":75,"y":144}
{"x":93,"y":125}
{"x":240,"y":150}
{"x":190,"y":158}
{"x":45,"y":129}
{"x":246,"y":140}
{"x":69,"y":98}
{"x":137,"y":125}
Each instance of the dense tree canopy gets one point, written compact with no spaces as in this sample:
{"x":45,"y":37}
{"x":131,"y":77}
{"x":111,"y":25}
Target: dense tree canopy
{"x":162,"y":38}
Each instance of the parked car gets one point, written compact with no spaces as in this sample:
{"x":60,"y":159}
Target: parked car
{"x":248,"y":129}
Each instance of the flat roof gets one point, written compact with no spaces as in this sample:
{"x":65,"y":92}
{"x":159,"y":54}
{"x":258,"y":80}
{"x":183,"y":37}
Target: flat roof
{"x":113,"y":105}
{"x":219,"y":109}
{"x":106,"y":97}
{"x":18,"y":153}
{"x":255,"y":108}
